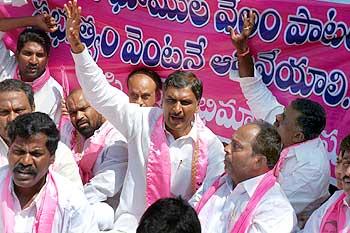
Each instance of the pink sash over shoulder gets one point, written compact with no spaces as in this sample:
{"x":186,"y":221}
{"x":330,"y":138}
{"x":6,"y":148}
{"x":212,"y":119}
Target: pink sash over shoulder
{"x":243,"y":222}
{"x":158,"y":172}
{"x":335,"y":213}
{"x":86,"y":164}
{"x":38,"y":83}
{"x":45,"y":214}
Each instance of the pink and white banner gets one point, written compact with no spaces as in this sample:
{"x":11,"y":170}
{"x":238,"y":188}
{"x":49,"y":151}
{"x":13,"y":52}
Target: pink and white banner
{"x":301,"y":48}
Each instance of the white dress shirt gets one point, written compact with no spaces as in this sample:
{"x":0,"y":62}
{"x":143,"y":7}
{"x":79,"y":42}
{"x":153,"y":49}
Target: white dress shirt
{"x":74,"y":214}
{"x":304,"y":177}
{"x":314,"y":222}
{"x":273,"y":214}
{"x":47,"y":99}
{"x":64,"y":164}
{"x":136,"y":124}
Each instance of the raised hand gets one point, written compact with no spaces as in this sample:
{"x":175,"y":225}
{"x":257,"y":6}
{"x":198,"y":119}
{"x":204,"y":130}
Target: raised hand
{"x":240,"y":40}
{"x":45,"y":22}
{"x":73,"y":26}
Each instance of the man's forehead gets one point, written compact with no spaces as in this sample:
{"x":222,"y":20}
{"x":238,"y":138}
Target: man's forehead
{"x":33,"y":45}
{"x":14,"y":96}
{"x":346,"y":155}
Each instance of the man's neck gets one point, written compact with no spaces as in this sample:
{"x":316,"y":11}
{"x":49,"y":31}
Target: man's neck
{"x":27,"y":195}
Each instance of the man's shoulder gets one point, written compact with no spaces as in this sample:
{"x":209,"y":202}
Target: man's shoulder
{"x":312,"y":152}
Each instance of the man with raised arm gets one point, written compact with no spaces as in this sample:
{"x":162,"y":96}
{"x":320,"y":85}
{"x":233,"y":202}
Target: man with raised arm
{"x":33,"y":197}
{"x":247,"y":199}
{"x":303,"y":169}
{"x":101,"y":155}
{"x":171,"y":152}
{"x":334,"y":215}
{"x":30,"y":61}
{"x":17,"y":98}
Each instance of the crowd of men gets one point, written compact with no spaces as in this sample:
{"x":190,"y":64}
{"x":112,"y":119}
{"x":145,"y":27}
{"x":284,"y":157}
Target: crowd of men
{"x":145,"y":162}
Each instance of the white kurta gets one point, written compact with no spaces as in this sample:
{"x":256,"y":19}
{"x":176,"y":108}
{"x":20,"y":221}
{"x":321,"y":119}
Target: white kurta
{"x":64,"y":164}
{"x":273,"y":214}
{"x":304,"y":177}
{"x":74,"y":214}
{"x":47,"y":99}
{"x":136,"y":124}
{"x":314,"y":222}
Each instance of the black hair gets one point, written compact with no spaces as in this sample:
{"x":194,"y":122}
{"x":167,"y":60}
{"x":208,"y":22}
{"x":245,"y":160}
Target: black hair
{"x":312,"y":120}
{"x":345,"y":144}
{"x":34,"y":35}
{"x":30,"y":124}
{"x":267,"y":142}
{"x":169,"y":215}
{"x":10,"y":85}
{"x":183,"y":79}
{"x":150,"y":73}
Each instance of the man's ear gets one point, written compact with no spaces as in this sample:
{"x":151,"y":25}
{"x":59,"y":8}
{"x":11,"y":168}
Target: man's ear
{"x":260,"y":161}
{"x":52,"y":158}
{"x":158,"y":96}
{"x":197,"y":108}
{"x":298,"y":137}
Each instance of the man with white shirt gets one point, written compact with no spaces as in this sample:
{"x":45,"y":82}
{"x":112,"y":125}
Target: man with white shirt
{"x":33,"y":197}
{"x":334,"y":215}
{"x":303,"y":169}
{"x":30,"y":61}
{"x":171,"y":152}
{"x":101,"y":154}
{"x":17,"y":98}
{"x":247,"y":199}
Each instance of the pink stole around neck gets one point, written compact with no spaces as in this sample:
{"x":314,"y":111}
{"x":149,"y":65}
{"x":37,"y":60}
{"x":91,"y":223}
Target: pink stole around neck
{"x":45,"y":214}
{"x":158,"y":170}
{"x":335,"y":213}
{"x":243,"y":222}
{"x":39,"y":82}
{"x":89,"y":158}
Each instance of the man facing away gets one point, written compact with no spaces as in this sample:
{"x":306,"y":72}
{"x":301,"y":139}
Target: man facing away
{"x":303,"y":169}
{"x":33,"y":197}
{"x":30,"y":61}
{"x":247,"y":198}
{"x":334,"y":215}
{"x":171,"y":152}
{"x":17,"y":98}
{"x":101,"y":155}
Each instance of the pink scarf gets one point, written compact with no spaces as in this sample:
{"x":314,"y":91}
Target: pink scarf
{"x":158,"y":174}
{"x":335,"y":213}
{"x":91,"y":153}
{"x":39,"y":82}
{"x":243,"y":222}
{"x":45,"y":214}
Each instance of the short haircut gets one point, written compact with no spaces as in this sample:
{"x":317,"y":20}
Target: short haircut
{"x":345,"y":144}
{"x":34,"y":35}
{"x":169,"y":215}
{"x":30,"y":124}
{"x":183,"y":79}
{"x":10,"y":85}
{"x":150,"y":73}
{"x":267,"y":142}
{"x":312,"y":120}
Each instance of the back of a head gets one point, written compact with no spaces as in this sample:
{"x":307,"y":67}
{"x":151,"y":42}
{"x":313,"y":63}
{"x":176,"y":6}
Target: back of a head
{"x":183,"y":79}
{"x":312,"y":120}
{"x":267,"y":142}
{"x":30,"y":124}
{"x":169,"y":215}
{"x":34,"y":35}
{"x":10,"y":85}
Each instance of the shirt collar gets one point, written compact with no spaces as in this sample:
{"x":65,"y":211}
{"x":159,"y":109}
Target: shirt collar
{"x":249,"y":186}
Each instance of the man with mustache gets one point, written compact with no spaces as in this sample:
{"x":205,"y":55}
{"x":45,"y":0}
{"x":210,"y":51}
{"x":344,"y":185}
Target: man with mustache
{"x":17,"y":98}
{"x":171,"y":152}
{"x":31,"y":59}
{"x":101,"y":155}
{"x":336,"y":210}
{"x":33,"y":197}
{"x":248,"y":198}
{"x":303,"y":169}
{"x":144,"y":87}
